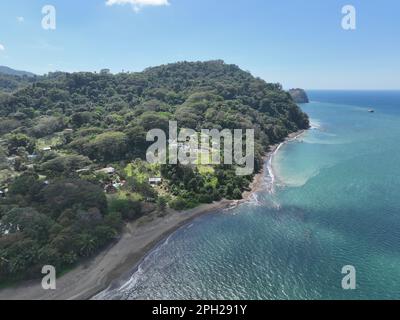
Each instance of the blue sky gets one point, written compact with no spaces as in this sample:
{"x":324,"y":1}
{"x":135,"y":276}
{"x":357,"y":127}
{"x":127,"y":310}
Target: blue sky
{"x":295,"y":42}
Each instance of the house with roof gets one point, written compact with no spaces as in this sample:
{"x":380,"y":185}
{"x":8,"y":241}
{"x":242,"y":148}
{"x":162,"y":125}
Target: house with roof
{"x":108,"y":170}
{"x":3,"y":192}
{"x":156,"y":181}
{"x":84,"y":170}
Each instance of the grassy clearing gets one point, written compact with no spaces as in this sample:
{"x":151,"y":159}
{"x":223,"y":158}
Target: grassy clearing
{"x":142,"y":171}
{"x":125,"y":195}
{"x":54,"y":140}
{"x":204,"y":170}
{"x":6,"y":175}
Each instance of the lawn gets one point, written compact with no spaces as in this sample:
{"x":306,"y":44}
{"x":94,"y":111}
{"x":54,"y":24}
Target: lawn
{"x":6,"y":175}
{"x":53,"y":141}
{"x":124,"y":195}
{"x":142,"y":171}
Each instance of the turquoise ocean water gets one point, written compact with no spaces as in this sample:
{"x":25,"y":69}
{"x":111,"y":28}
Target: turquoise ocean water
{"x":335,"y":201}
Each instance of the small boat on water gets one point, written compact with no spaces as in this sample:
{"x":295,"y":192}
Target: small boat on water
{"x":371,"y":110}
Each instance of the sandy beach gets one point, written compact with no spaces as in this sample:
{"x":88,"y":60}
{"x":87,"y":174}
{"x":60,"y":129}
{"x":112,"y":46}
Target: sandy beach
{"x":120,"y":258}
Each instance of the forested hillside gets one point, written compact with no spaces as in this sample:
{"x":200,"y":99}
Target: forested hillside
{"x":72,"y":151}
{"x":11,"y":83}
{"x":9,"y":71}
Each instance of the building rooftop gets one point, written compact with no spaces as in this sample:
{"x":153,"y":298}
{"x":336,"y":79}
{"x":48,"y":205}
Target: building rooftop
{"x":109,"y":170}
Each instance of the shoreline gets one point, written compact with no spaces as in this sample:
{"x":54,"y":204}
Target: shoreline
{"x":138,"y":240}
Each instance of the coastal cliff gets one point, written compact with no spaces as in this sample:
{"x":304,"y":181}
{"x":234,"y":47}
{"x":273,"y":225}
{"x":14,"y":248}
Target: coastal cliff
{"x":299,"y":95}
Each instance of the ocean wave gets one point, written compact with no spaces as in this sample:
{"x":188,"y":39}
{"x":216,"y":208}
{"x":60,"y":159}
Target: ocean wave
{"x":233,"y":206}
{"x":121,"y":290}
{"x":315,"y":124}
{"x":270,"y":169}
{"x":254,"y":200}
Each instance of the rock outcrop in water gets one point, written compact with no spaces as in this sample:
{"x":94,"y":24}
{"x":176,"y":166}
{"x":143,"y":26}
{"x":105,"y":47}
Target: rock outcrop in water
{"x":299,"y":95}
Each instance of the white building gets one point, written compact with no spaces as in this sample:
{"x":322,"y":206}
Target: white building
{"x":155,"y":181}
{"x":109,"y":170}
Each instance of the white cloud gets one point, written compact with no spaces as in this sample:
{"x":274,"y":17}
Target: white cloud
{"x":138,"y":4}
{"x":20,"y":19}
{"x":2,"y":48}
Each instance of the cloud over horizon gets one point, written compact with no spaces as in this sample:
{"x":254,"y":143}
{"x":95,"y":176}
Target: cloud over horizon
{"x":2,"y":48}
{"x":138,"y":4}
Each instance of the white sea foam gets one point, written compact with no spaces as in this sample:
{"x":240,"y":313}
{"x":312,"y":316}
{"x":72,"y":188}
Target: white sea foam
{"x":271,"y":175}
{"x":254,"y":200}
{"x":315,"y":124}
{"x":128,"y":285}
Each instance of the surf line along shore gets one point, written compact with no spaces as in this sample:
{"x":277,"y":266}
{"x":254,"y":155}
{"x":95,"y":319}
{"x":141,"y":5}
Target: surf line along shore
{"x":114,"y":264}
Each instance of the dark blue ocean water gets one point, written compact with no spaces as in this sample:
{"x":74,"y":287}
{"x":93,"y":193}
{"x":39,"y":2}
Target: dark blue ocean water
{"x":335,"y":202}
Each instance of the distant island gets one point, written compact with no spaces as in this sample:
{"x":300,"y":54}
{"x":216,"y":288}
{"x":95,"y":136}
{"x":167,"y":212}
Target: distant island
{"x":299,"y":95}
